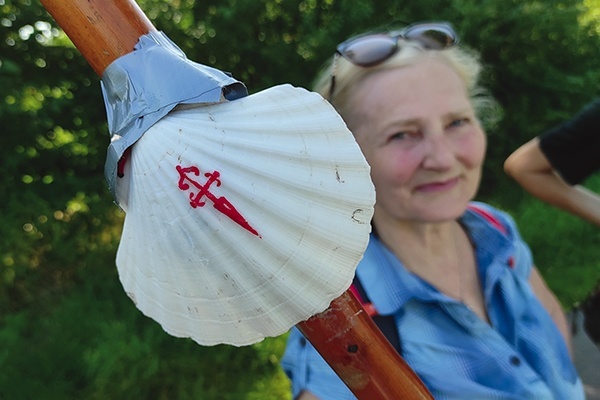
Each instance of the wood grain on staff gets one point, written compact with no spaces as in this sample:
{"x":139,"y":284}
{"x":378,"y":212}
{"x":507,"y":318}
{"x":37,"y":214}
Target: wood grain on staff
{"x":101,"y":30}
{"x":350,"y":342}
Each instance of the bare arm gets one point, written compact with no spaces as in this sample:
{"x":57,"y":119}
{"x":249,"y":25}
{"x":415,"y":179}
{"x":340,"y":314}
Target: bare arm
{"x":530,"y":168}
{"x":551,"y":304}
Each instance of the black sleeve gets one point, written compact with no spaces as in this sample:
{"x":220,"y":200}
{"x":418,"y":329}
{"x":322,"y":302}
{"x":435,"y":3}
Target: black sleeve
{"x":573,"y":147}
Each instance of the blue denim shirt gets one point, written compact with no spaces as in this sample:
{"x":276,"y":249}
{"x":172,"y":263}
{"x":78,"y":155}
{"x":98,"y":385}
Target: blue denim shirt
{"x":519,"y":355}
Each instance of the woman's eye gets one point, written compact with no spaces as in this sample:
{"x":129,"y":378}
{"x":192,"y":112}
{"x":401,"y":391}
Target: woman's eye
{"x":458,"y":122}
{"x":408,"y":134}
{"x":399,"y":136}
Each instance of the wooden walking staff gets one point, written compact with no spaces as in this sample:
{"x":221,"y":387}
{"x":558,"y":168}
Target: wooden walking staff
{"x":346,"y":337}
{"x":357,"y":351}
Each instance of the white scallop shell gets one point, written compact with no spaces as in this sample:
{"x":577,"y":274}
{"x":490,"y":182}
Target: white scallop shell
{"x":293,"y":172}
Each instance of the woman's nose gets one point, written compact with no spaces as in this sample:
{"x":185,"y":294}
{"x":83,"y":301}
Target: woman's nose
{"x":438,"y":153}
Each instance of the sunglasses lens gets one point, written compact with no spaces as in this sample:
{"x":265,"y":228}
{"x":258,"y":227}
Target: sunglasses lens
{"x":368,"y":50}
{"x":434,"y":37}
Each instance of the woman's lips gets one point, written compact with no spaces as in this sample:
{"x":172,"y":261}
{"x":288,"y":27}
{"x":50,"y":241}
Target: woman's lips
{"x":438,"y":186}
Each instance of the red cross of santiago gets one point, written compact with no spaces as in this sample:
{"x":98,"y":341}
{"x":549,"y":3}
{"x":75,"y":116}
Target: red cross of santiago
{"x":220,"y":203}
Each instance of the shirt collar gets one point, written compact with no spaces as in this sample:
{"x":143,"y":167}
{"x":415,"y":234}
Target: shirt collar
{"x":389,"y":285}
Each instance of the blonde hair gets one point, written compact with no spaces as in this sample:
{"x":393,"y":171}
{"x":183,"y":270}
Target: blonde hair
{"x":348,"y":77}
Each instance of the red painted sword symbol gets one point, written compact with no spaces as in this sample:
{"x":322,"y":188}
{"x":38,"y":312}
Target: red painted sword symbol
{"x":220,"y":203}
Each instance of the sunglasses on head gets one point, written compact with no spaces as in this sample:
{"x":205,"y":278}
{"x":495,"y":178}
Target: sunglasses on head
{"x":373,"y":49}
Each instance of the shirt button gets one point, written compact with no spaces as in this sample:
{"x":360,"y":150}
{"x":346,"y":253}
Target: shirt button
{"x":514,"y":360}
{"x":302,"y":342}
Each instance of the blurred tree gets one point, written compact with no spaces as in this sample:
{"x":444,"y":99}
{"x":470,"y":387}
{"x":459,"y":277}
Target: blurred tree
{"x":53,"y":121}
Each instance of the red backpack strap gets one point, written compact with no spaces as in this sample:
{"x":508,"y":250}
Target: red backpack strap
{"x":492,"y":219}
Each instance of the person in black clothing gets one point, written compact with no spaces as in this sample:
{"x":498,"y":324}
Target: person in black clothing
{"x":552,"y":166}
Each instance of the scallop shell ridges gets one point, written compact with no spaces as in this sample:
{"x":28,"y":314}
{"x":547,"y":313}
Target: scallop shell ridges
{"x":295,"y":202}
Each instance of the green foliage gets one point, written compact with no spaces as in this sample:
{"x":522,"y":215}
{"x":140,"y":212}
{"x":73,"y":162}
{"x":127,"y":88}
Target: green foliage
{"x":68,"y":330}
{"x":92,"y":343}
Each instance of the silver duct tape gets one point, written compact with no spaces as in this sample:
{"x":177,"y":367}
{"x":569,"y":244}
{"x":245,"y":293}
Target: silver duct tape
{"x":143,"y":86}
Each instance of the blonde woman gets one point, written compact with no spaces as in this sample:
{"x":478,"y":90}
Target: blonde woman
{"x":473,"y":316}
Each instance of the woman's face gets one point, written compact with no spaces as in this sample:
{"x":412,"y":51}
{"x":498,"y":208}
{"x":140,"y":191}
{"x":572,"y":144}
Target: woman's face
{"x":418,"y":131}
